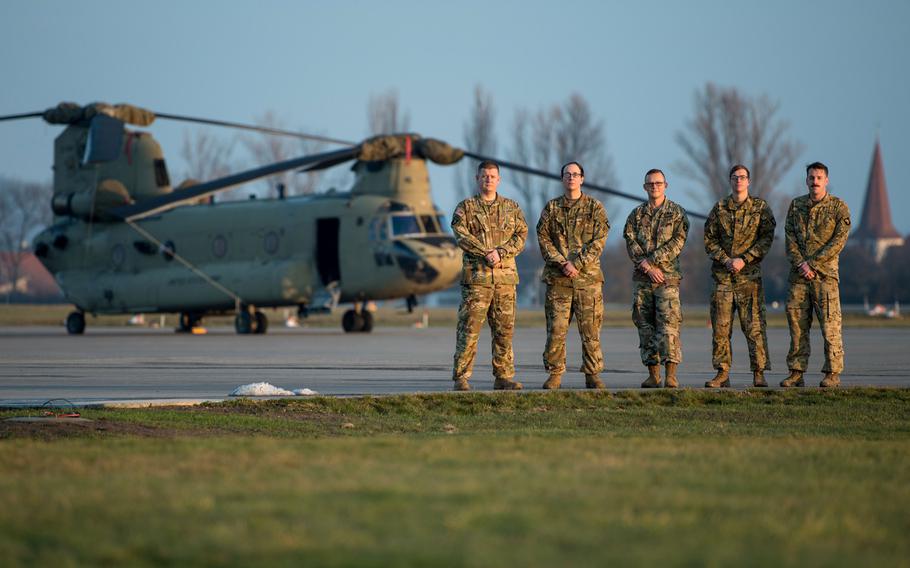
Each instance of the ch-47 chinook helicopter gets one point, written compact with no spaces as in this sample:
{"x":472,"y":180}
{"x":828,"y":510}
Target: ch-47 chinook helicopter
{"x":125,"y":241}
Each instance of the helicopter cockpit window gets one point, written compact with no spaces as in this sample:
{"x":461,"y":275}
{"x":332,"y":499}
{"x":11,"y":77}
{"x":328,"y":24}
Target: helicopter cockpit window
{"x":443,"y":223}
{"x":429,"y":224}
{"x":405,"y":225}
{"x":161,"y":177}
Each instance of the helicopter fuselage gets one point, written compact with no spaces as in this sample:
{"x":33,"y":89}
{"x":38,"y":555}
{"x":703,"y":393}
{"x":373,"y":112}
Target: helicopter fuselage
{"x":260,"y":252}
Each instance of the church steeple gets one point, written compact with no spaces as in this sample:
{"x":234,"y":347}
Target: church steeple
{"x":876,"y":230}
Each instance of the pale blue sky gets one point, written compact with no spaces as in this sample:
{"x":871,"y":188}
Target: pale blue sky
{"x":838,"y":68}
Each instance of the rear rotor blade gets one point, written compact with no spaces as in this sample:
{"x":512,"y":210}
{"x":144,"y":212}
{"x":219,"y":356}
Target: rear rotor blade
{"x":164,"y":202}
{"x":548,"y":175}
{"x":263,"y":129}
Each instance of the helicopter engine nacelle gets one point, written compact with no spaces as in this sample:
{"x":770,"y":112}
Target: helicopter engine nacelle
{"x":92,"y":205}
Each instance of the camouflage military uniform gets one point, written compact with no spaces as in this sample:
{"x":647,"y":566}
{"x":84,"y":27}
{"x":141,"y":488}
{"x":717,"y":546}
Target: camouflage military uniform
{"x":815,"y":233}
{"x":573,"y":231}
{"x":739,"y":230}
{"x":487,"y":292}
{"x":658,"y":236}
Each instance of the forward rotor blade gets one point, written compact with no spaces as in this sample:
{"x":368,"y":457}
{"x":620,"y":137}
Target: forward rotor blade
{"x":164,"y":202}
{"x":548,"y":175}
{"x":264,"y":129}
{"x":24,"y":115}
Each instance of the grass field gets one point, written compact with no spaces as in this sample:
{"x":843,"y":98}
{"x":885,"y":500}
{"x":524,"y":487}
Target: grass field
{"x":54,"y":314}
{"x":477,"y":479}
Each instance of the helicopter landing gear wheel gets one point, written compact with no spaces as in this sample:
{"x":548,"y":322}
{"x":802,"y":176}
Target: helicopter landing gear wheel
{"x":356,"y":322}
{"x":243,"y":323}
{"x":351,"y":321}
{"x":261,"y":323}
{"x":75,"y":323}
{"x":367,"y":326}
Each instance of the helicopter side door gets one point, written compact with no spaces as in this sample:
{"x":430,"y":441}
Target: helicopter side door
{"x":327,"y":249}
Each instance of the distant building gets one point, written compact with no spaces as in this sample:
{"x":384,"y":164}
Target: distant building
{"x":33,"y":282}
{"x":876,"y":232}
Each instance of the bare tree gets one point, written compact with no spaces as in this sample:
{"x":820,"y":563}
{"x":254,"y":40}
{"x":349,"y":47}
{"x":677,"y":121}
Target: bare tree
{"x":553,"y":136}
{"x":24,"y":209}
{"x":269,"y":148}
{"x":207,"y":157}
{"x":729,"y":128}
{"x":385,"y":115}
{"x":479,"y":137}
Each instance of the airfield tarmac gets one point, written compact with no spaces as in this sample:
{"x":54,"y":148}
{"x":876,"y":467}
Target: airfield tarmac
{"x":121,"y":365}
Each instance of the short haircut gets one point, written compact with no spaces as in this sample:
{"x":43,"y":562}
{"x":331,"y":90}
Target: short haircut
{"x":487,"y":165}
{"x":656,"y":171}
{"x":739,"y":167}
{"x":562,"y":170}
{"x":817,"y":166}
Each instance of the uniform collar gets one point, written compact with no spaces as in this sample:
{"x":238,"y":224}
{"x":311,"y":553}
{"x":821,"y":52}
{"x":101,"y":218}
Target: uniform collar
{"x":564,"y":202}
{"x":732,"y":204}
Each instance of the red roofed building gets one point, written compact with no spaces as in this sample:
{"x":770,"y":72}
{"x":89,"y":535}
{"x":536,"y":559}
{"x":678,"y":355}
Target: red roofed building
{"x":876,"y":232}
{"x":33,"y":281}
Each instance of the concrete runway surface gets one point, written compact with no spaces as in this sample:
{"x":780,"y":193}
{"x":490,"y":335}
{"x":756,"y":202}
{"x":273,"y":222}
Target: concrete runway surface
{"x":130,"y":364}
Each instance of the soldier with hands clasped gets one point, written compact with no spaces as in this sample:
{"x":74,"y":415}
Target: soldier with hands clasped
{"x":491,"y":232}
{"x":571,"y":232}
{"x":738,"y":234}
{"x":817,"y":228}
{"x":655,"y":234}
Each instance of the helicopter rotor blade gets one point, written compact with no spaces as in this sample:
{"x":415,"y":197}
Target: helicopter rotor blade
{"x":548,"y":175}
{"x":23,"y":115}
{"x":168,"y":201}
{"x":263,"y":129}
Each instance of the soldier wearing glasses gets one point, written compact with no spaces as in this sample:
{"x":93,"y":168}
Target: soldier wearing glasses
{"x":738,"y":234}
{"x":571,"y":232}
{"x":491,"y":232}
{"x":655,"y":234}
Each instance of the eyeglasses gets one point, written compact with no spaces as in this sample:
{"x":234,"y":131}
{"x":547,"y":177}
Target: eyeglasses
{"x":737,"y":178}
{"x":570,"y":175}
{"x":655,"y":184}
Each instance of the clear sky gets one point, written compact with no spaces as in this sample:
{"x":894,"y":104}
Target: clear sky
{"x":839,"y":70}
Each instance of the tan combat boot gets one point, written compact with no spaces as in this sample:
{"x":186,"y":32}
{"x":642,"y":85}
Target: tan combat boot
{"x":758,"y":379}
{"x":461,"y":385}
{"x":593,"y":382}
{"x":831,"y":380}
{"x":670,"y":382}
{"x":506,"y":384}
{"x":653,"y":380}
{"x":794,"y":380}
{"x":720,"y":380}
{"x":553,"y":382}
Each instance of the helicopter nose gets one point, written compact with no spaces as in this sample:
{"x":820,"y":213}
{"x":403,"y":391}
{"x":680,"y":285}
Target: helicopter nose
{"x":432,"y":261}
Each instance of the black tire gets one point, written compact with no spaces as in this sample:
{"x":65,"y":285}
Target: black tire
{"x":75,"y":323}
{"x":351,"y":322}
{"x":262,"y":323}
{"x":243,"y":323}
{"x":186,"y":322}
{"x":367,"y":326}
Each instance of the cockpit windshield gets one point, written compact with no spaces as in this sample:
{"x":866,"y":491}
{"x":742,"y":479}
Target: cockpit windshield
{"x":405,"y":225}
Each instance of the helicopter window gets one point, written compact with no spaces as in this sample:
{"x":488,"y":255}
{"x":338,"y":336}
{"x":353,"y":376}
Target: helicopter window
{"x":219,"y":246}
{"x":429,"y":223}
{"x":443,"y":224}
{"x":118,"y":255}
{"x":271,"y":242}
{"x":161,"y":177}
{"x":405,"y":225}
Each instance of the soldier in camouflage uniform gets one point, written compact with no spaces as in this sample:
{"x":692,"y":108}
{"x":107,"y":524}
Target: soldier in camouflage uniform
{"x":655,"y":233}
{"x":491,"y":232}
{"x":738,"y":234}
{"x":817,"y":228}
{"x":571,"y":232}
